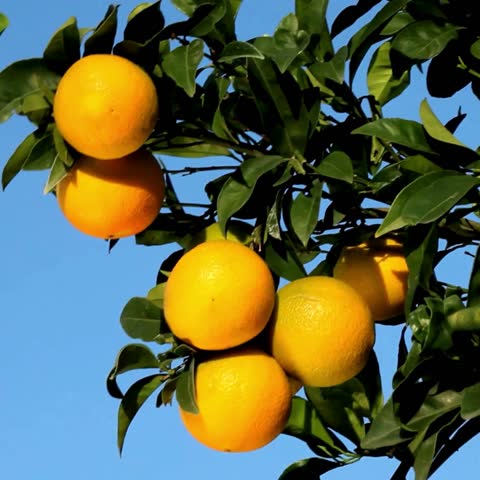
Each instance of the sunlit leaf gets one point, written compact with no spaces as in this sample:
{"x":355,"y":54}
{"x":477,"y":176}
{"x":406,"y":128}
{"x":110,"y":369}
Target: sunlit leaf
{"x":141,"y":318}
{"x":426,"y":199}
{"x":337,"y":165}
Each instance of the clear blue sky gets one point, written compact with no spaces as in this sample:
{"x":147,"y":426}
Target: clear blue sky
{"x":61,"y":296}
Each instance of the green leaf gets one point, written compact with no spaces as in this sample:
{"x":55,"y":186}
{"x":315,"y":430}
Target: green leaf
{"x":434,"y":407}
{"x":188,"y":147}
{"x":232,"y":197}
{"x":471,"y":402}
{"x":435,"y":128}
{"x":236,"y":50}
{"x":3,"y":23}
{"x":419,"y":164}
{"x":385,"y":430}
{"x":349,"y":15}
{"x":398,"y":131}
{"x":305,"y":210}
{"x":57,"y":173}
{"x":283,"y":260}
{"x":475,"y":49}
{"x":383,"y":83}
{"x":424,"y":39}
{"x":62,"y":149}
{"x":280,"y":105}
{"x":364,"y":38}
{"x":337,"y":165}
{"x":131,"y":357}
{"x":253,"y":168}
{"x":420,"y":248}
{"x":63,"y":49}
{"x":181,"y":65}
{"x":103,"y":37}
{"x":474,"y":282}
{"x":286,"y":44}
{"x":426,"y":199}
{"x":19,"y":157}
{"x":21,"y":80}
{"x":312,"y":17}
{"x":144,"y":22}
{"x":308,"y":469}
{"x":132,"y":401}
{"x":185,"y":389}
{"x":333,"y":69}
{"x":304,"y":423}
{"x":141,"y":318}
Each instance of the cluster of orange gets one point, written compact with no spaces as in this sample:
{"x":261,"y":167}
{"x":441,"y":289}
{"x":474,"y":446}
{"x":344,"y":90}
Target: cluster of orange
{"x":260,"y":345}
{"x":106,"y":107}
{"x":263,"y":345}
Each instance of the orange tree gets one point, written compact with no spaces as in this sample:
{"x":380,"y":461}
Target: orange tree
{"x":314,"y":168}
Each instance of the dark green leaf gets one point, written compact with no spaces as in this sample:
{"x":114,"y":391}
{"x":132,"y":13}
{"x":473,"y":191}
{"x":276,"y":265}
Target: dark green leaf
{"x":419,"y":164}
{"x":426,"y":199}
{"x":141,"y":318}
{"x":399,"y":21}
{"x":312,"y":17}
{"x":475,"y":49}
{"x":185,"y":389}
{"x":424,"y":457}
{"x":471,"y":402}
{"x":305,"y":210}
{"x":23,"y":79}
{"x":474,"y":283}
{"x":434,"y":407}
{"x":103,"y":37}
{"x":383,"y":82}
{"x":304,"y":423}
{"x":399,"y":131}
{"x":19,"y":157}
{"x":364,"y":38}
{"x":236,"y":50}
{"x":424,"y":39}
{"x":385,"y":430}
{"x":349,"y":15}
{"x":57,"y":173}
{"x":336,"y":165}
{"x":64,"y":47}
{"x":131,"y":357}
{"x":189,"y":147}
{"x":165,"y":397}
{"x":308,"y":469}
{"x":62,"y":149}
{"x":253,"y":168}
{"x":280,"y":106}
{"x":282,"y":259}
{"x":232,"y":197}
{"x":420,"y":248}
{"x":181,"y":65}
{"x":435,"y":128}
{"x":132,"y":401}
{"x":144,"y":22}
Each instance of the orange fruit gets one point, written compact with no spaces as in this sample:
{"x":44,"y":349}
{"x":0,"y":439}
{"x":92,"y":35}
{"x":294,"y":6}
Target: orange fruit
{"x":219,"y":295}
{"x":114,"y":198}
{"x":379,"y":272}
{"x":105,"y":106}
{"x":321,"y":331}
{"x":243,"y":397}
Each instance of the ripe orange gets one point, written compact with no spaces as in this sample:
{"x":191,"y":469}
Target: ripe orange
{"x":244,"y":400}
{"x":379,"y":272}
{"x":321,"y":331}
{"x":105,"y":106}
{"x":219,"y":295}
{"x":114,"y":198}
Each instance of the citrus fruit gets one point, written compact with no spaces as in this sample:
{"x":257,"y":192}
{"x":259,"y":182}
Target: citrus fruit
{"x":105,"y":106}
{"x":243,"y":397}
{"x":236,"y":231}
{"x":114,"y":198}
{"x":219,"y":295}
{"x":321,"y":331}
{"x":379,"y":272}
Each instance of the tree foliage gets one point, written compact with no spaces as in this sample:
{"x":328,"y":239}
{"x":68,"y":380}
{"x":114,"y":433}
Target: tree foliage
{"x":314,"y":167}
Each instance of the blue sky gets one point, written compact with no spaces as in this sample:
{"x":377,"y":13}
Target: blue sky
{"x":61,"y":295}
